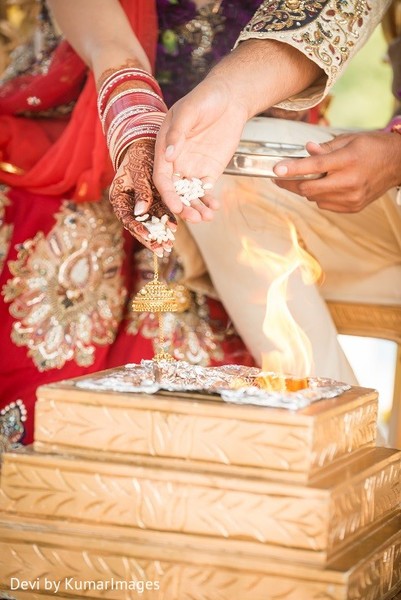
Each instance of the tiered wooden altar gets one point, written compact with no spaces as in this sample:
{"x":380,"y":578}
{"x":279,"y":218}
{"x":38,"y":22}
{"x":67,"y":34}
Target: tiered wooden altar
{"x":200,"y":499}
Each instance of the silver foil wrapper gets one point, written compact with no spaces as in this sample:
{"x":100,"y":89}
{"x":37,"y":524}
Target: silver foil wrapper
{"x":233,"y":383}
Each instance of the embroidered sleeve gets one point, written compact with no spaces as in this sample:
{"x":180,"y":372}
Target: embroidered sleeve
{"x":329,"y":32}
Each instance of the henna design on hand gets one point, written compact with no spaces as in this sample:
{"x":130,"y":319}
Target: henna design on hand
{"x":133,"y":184}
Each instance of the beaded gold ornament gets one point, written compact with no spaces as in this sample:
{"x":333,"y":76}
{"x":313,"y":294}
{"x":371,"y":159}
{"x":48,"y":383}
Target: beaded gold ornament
{"x":157,"y":297}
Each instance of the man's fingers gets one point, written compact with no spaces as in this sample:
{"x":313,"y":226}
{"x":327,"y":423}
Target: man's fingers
{"x":329,"y":187}
{"x":190,"y":214}
{"x":335,"y":143}
{"x":204,"y":211}
{"x":315,"y":149}
{"x":285,"y":184}
{"x":313,"y":188}
{"x":328,"y":193}
{"x":334,"y":207}
{"x":174,"y":133}
{"x":175,"y":140}
{"x":165,"y":185}
{"x":313,"y":165}
{"x":331,"y":155}
{"x":300,"y":167}
{"x":211,"y":201}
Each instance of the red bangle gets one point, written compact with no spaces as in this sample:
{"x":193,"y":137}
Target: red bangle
{"x":130,"y":99}
{"x":126,"y":115}
{"x":122,"y":76}
{"x":396,"y":128}
{"x":145,"y":126}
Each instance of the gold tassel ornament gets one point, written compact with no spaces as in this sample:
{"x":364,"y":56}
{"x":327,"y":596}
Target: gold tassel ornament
{"x":157,"y":297}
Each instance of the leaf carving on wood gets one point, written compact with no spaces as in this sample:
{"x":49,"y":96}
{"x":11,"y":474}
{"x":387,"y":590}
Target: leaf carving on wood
{"x":159,"y":433}
{"x":340,"y":435}
{"x":179,"y":506}
{"x":177,"y":579}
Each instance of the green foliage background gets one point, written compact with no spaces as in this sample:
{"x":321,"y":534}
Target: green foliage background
{"x":362,"y":97}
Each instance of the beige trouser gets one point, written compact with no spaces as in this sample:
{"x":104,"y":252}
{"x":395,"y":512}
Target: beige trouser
{"x":359,"y":254}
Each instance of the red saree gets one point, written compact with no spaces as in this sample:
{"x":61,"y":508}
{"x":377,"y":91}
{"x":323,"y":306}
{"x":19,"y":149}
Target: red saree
{"x":67,"y":268}
{"x":76,"y":161}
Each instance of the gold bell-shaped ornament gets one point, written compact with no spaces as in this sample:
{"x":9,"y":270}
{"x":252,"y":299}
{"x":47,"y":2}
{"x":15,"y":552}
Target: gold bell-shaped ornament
{"x":157,"y":297}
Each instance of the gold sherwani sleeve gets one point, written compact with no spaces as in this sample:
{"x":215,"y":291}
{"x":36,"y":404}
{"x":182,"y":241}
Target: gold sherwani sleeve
{"x":327,"y":31}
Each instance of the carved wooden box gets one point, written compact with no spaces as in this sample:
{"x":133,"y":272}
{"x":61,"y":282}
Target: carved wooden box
{"x":103,"y":554}
{"x":204,"y":431}
{"x":209,"y":499}
{"x":311,"y":523}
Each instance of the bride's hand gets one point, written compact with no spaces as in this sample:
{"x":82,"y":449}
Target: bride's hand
{"x":137,"y":203}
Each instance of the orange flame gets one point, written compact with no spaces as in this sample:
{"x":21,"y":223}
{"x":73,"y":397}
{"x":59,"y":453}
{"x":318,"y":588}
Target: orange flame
{"x":293,"y":350}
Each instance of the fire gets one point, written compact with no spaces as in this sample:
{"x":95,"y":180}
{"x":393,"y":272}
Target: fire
{"x":292,"y":348}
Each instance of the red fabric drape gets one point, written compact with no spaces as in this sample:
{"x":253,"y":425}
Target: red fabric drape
{"x":76,"y":162}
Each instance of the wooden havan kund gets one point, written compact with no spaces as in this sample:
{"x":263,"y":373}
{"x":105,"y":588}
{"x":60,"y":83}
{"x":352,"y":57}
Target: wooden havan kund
{"x":205,"y":431}
{"x":210,"y":499}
